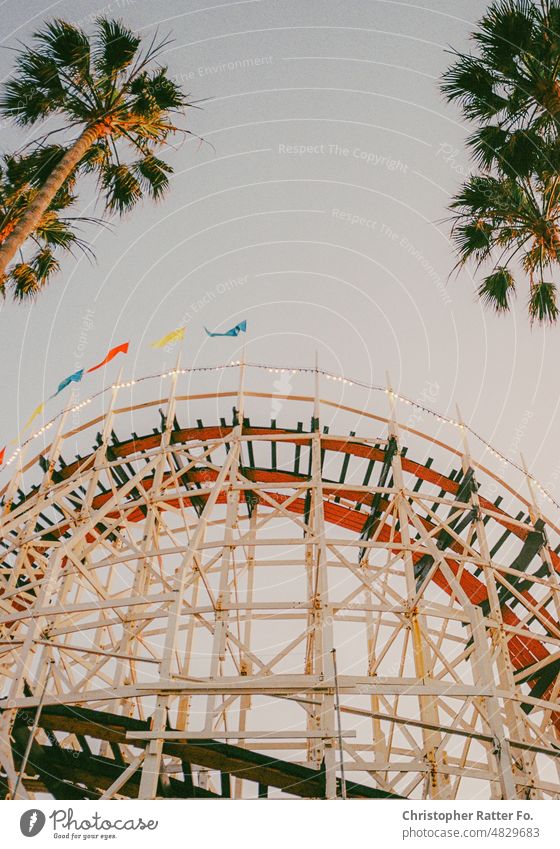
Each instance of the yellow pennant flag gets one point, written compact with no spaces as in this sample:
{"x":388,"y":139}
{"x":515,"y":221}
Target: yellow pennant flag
{"x":174,"y":336}
{"x":36,"y":412}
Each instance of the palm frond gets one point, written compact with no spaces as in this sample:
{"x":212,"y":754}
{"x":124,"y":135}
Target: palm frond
{"x":45,"y":265}
{"x":23,"y":281}
{"x":497,"y":289}
{"x":55,"y":232}
{"x":506,"y":32}
{"x":154,"y":94}
{"x":486,"y":145}
{"x":42,"y":72}
{"x":474,"y":87}
{"x":473,"y":239}
{"x":478,"y":196}
{"x":24,"y":103}
{"x":152,"y":174}
{"x":121,"y":188}
{"x":520,"y":153}
{"x":515,"y":153}
{"x":67,"y":45}
{"x":116,"y":47}
{"x":26,"y":279}
{"x":542,"y":303}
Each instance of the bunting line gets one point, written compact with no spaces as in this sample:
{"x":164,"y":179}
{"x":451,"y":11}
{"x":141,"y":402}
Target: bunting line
{"x":300,"y":370}
{"x":174,"y":336}
{"x":75,"y":377}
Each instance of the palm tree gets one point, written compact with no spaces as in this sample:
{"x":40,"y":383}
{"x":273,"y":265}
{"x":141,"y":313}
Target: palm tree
{"x":118,"y":100}
{"x":20,"y":177}
{"x":509,"y":214}
{"x":502,"y":217}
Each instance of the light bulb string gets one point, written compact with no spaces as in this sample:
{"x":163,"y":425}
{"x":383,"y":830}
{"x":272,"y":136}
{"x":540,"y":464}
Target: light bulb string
{"x":293,"y":370}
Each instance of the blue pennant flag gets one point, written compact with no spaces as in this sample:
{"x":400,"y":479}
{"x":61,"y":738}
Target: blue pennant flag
{"x":73,"y":378}
{"x":235,"y":331}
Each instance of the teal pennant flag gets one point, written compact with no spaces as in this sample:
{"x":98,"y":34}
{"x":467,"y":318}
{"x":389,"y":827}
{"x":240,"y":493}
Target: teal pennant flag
{"x":235,"y":331}
{"x":72,"y":378}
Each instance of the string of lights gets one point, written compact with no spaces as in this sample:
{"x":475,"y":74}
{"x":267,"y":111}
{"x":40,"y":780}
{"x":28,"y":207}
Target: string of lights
{"x":295,"y":370}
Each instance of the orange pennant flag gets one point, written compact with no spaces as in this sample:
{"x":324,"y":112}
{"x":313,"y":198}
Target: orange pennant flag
{"x":120,"y":349}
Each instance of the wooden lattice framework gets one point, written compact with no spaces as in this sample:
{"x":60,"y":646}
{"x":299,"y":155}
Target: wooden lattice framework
{"x":172,"y":607}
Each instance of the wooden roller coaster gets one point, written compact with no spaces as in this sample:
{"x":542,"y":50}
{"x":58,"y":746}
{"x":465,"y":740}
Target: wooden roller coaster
{"x":236,"y":610}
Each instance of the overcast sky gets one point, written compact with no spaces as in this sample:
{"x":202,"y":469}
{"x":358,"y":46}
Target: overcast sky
{"x":315,"y":208}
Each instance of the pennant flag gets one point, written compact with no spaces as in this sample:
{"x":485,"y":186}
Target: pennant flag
{"x":36,"y":412}
{"x":73,"y":378}
{"x":120,"y":349}
{"x":2,"y":454}
{"x":174,"y":336}
{"x":235,"y":331}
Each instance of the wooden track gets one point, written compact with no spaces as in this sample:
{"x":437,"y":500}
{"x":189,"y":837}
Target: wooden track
{"x":184,"y":575}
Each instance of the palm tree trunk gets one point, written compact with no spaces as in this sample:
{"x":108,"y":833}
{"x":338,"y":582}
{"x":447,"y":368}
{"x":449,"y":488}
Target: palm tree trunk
{"x":43,"y":199}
